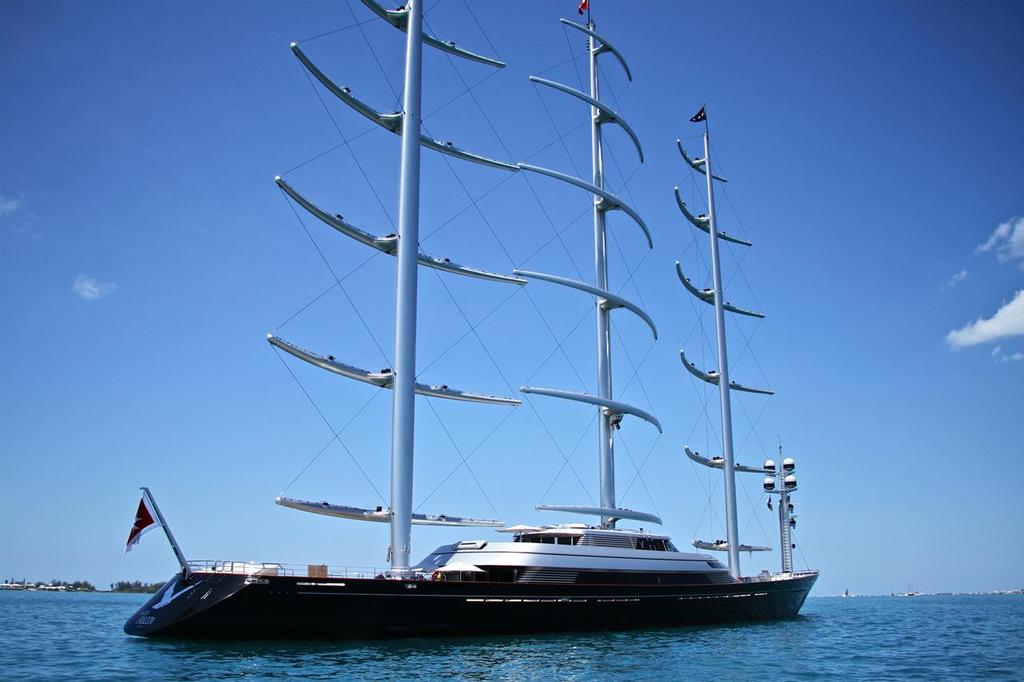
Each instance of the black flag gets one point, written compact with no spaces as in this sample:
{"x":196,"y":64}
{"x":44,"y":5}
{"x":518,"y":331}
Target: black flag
{"x":769,"y":504}
{"x":699,"y":116}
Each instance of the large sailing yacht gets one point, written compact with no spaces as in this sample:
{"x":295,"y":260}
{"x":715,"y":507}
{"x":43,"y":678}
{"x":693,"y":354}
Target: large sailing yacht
{"x":568,"y":576}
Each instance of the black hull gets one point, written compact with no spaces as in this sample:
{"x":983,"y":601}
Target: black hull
{"x":227,"y":606}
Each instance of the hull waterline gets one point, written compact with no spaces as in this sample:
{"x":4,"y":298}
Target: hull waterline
{"x":234,"y":606}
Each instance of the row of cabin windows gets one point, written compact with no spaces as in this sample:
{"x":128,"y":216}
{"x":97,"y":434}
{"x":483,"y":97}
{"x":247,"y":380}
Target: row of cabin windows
{"x":655,"y":544}
{"x":511,"y":575}
{"x":550,"y":539}
{"x":650,"y":544}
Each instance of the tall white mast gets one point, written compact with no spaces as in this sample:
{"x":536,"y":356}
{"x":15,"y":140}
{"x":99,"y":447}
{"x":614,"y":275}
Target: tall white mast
{"x":610,"y":411}
{"x":406,"y":123}
{"x":606,"y":428}
{"x":403,"y":410}
{"x":729,"y":470}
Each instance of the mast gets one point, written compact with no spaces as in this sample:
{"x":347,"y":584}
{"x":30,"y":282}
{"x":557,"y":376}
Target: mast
{"x":610,"y":411}
{"x":604,"y":361}
{"x":404,"y":246}
{"x":403,"y":410}
{"x":729,"y":469}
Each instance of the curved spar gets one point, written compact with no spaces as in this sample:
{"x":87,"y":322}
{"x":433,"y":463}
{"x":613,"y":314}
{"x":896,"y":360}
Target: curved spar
{"x":380,"y":514}
{"x":610,"y":406}
{"x":614,"y":513}
{"x":393,"y":121}
{"x":712,"y":377}
{"x":385,"y":378}
{"x":389,"y":243}
{"x":723,"y":546}
{"x":708,"y":295}
{"x":607,"y":201}
{"x":400,"y":19}
{"x":607,"y":298}
{"x":605,"y":45}
{"x":606,"y":115}
{"x":703,"y":223}
{"x":719,"y":463}
{"x":698,"y":165}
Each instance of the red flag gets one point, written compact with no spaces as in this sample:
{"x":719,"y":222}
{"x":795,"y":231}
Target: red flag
{"x":584,"y":6}
{"x":145,"y":519}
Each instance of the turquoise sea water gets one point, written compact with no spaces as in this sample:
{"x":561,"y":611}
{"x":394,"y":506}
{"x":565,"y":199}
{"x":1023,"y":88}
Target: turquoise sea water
{"x":78,"y":637}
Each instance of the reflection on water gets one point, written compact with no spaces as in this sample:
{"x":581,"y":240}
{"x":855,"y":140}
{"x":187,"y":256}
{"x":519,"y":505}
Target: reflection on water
{"x":78,"y":636}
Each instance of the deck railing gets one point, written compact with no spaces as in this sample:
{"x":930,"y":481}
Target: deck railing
{"x":273,"y":568}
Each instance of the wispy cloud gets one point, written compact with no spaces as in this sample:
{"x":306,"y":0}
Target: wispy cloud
{"x":954,"y":280}
{"x":89,"y":289}
{"x":9,"y":205}
{"x":1008,"y":321}
{"x":1007,"y":241}
{"x":15,"y":218}
{"x":999,"y":356}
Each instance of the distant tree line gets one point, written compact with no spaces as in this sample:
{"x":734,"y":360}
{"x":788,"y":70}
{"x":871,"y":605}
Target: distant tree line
{"x":76,"y":586}
{"x":135,"y":586}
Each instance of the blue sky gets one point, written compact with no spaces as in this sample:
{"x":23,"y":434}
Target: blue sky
{"x":873,"y":152}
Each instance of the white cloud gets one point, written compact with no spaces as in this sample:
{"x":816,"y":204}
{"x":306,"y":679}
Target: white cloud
{"x":1008,"y":321}
{"x":954,"y":280}
{"x":9,"y":205}
{"x":1007,"y":240}
{"x":89,"y":289}
{"x":15,"y":218}
{"x":999,"y":356}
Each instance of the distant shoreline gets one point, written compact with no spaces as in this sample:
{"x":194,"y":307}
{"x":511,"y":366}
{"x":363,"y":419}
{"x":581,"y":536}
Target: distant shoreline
{"x":120,"y":587}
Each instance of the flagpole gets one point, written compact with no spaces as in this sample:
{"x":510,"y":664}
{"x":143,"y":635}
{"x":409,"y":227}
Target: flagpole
{"x":185,"y":570}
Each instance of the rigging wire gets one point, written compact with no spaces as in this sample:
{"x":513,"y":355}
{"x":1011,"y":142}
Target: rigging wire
{"x":337,"y":30}
{"x":465,"y":462}
{"x":560,"y":64}
{"x":394,"y":91}
{"x":476,"y":21}
{"x":637,"y":476}
{"x":561,"y":138}
{"x":355,"y":158}
{"x":337,"y":281}
{"x":470,"y":330}
{"x":565,"y":463}
{"x":328,"y":290}
{"x":333,"y":438}
{"x":508,"y":415}
{"x":336,"y":433}
{"x":568,"y":45}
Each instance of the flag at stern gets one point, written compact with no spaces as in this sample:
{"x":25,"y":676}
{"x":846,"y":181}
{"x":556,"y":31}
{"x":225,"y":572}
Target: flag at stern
{"x":145,"y":519}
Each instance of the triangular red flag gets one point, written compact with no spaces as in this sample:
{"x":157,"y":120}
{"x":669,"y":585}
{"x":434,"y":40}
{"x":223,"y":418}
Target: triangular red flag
{"x":144,"y":520}
{"x":584,"y":6}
